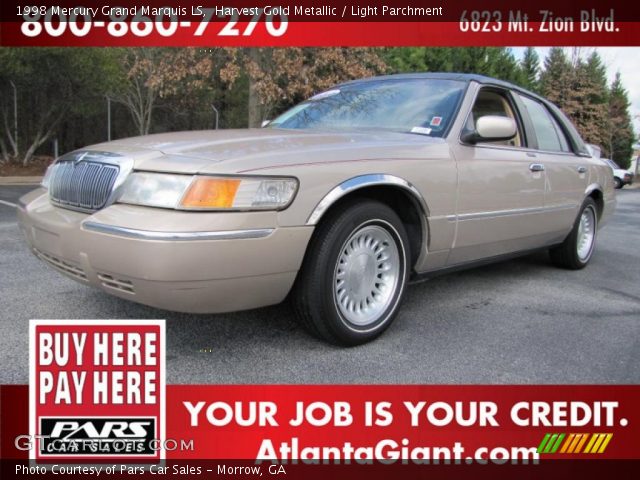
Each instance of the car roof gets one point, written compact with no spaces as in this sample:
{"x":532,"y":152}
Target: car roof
{"x":463,"y":77}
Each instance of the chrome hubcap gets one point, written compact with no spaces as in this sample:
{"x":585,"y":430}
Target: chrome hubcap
{"x":586,"y":234}
{"x":366,"y":275}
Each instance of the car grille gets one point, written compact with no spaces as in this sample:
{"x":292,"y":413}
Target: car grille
{"x":82,"y":185}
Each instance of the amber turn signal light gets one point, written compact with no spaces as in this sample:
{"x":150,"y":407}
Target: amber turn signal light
{"x":210,"y":193}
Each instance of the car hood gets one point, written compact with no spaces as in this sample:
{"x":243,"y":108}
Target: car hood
{"x":223,"y":151}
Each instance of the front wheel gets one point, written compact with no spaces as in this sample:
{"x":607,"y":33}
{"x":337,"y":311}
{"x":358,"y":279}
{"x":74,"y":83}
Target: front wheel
{"x":352,"y":280}
{"x":617,"y":183}
{"x":576,"y":250}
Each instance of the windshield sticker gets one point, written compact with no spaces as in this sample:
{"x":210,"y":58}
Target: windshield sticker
{"x":436,"y":121}
{"x":421,"y":130}
{"x":328,"y":93}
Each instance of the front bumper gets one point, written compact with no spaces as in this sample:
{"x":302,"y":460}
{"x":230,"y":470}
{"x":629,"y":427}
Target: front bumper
{"x":181,"y":261}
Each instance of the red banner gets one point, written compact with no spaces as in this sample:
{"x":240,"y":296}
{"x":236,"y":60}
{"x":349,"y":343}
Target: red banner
{"x":377,"y":424}
{"x":335,"y":23}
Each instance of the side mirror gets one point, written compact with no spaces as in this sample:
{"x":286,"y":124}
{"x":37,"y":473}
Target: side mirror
{"x":265,"y":123}
{"x":492,"y":128}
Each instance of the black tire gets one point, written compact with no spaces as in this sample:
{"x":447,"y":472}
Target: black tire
{"x":617,"y":183}
{"x":566,"y":255}
{"x":314,"y":295}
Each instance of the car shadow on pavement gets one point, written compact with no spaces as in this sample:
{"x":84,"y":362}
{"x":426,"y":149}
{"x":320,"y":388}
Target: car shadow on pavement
{"x":194,"y":333}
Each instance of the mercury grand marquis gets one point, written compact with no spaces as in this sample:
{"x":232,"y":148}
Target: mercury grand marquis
{"x":338,"y":203}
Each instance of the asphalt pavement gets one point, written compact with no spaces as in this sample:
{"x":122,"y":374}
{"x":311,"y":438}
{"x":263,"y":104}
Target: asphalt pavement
{"x":522,"y":321}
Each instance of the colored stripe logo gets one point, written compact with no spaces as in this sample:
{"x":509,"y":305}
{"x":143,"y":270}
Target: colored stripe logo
{"x":592,"y":443}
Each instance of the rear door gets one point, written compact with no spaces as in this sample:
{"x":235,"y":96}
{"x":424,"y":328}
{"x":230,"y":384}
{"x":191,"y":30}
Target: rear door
{"x":566,"y":173}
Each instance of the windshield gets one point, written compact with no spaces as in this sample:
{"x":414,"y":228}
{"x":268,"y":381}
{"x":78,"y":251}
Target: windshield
{"x":424,"y":106}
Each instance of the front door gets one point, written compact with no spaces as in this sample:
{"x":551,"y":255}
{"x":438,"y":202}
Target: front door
{"x":500,"y":189}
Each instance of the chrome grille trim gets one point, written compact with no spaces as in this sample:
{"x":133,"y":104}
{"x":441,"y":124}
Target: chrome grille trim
{"x":87,"y":180}
{"x":85,"y":185}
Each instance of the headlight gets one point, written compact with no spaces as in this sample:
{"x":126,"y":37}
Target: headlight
{"x":155,"y":189}
{"x":200,"y":192}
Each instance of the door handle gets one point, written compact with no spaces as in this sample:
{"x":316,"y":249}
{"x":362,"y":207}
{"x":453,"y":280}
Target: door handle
{"x":582,"y":169}
{"x":536,"y":167}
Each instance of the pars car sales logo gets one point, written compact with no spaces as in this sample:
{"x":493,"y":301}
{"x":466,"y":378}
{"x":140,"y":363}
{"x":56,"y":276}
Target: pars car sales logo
{"x":97,"y":389}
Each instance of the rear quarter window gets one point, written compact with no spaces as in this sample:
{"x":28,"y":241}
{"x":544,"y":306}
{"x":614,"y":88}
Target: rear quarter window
{"x":548,"y":133}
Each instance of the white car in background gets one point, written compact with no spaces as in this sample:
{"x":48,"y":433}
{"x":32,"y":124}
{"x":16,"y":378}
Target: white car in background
{"x":621,"y":177}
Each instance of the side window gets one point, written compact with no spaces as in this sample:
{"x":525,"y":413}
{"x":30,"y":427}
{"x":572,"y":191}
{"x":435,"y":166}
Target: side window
{"x":549,"y":134}
{"x":492,"y":102}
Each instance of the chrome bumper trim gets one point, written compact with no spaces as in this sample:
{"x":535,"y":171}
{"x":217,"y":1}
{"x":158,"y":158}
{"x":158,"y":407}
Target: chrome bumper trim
{"x":176,"y":236}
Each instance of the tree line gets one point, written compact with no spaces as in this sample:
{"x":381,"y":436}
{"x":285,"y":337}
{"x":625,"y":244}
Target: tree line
{"x":82,"y":96}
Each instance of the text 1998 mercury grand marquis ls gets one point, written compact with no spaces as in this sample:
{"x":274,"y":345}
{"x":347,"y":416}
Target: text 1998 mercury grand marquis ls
{"x":339,"y":202}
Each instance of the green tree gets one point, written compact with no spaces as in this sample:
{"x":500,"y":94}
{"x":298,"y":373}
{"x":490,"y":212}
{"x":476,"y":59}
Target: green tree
{"x":556,"y":77}
{"x":620,"y":135}
{"x":51,"y":84}
{"x":530,"y":66}
{"x":588,"y":99}
{"x":498,"y":62}
{"x":579,"y":88}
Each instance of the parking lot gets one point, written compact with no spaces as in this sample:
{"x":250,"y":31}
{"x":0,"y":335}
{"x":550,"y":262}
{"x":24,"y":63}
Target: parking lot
{"x":522,"y":321}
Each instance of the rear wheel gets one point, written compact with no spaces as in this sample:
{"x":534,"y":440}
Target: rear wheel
{"x":352,"y":280}
{"x":576,"y":250}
